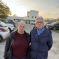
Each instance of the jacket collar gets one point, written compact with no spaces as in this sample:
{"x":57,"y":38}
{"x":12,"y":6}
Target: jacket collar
{"x":39,"y":32}
{"x":43,"y":34}
{"x":14,"y":32}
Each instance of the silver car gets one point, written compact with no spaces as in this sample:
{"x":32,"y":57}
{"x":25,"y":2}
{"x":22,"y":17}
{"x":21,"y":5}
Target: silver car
{"x":32,"y":22}
{"x":4,"y":31}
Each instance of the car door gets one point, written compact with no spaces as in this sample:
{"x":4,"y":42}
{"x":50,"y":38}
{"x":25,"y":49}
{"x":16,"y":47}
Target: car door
{"x":58,"y":25}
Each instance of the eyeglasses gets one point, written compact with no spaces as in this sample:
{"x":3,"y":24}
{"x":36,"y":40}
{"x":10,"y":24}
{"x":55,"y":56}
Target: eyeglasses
{"x":39,"y":22}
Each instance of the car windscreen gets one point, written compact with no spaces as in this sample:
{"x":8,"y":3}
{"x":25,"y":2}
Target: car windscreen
{"x":5,"y":21}
{"x":8,"y":21}
{"x":2,"y":24}
{"x":53,"y":23}
{"x":0,"y":19}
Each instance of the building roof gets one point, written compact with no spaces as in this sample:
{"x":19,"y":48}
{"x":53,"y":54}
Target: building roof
{"x":12,"y":17}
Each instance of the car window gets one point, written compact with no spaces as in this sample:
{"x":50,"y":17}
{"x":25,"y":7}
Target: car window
{"x":10,"y":20}
{"x":53,"y":23}
{"x":5,"y":21}
{"x":58,"y":23}
{"x":1,"y":19}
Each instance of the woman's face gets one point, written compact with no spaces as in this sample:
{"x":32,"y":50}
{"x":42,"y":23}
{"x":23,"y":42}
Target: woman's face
{"x":21,"y":27}
{"x":39,"y":23}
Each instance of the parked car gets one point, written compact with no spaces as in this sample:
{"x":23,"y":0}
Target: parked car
{"x":11,"y":27}
{"x":4,"y":31}
{"x":16,"y":20}
{"x":32,"y":22}
{"x":53,"y":26}
{"x":47,"y":24}
{"x":9,"y":23}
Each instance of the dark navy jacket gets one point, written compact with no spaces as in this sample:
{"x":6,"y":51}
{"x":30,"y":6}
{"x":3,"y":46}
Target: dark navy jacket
{"x":40,"y":45}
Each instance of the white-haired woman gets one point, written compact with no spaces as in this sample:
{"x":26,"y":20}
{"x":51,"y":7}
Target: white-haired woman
{"x":17,"y":44}
{"x":41,"y":40}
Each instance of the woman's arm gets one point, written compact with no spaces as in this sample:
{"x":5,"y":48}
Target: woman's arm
{"x":50,"y":42}
{"x":7,"y":46}
{"x":6,"y":58}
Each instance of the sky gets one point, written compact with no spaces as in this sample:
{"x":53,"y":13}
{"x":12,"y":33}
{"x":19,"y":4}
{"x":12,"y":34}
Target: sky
{"x":46,"y":8}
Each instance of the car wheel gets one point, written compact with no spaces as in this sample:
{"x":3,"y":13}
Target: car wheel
{"x":1,"y":38}
{"x":54,"y":28}
{"x":10,"y":30}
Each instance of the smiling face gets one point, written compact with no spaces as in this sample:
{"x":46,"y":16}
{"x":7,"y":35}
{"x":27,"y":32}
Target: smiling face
{"x":21,"y":28}
{"x":39,"y":24}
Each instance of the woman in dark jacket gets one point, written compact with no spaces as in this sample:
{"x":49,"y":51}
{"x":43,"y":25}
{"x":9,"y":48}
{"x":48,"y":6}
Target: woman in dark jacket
{"x":41,"y":40}
{"x":17,"y":43}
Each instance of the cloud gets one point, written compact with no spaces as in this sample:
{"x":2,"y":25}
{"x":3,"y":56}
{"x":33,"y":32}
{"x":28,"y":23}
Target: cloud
{"x":56,"y":14}
{"x":52,"y":13}
{"x":57,"y":6}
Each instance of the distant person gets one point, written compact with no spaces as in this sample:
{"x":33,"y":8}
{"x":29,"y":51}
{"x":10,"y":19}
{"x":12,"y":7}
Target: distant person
{"x":17,"y":44}
{"x":41,"y":40}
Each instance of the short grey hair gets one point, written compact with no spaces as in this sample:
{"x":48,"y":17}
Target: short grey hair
{"x":39,"y":17}
{"x":21,"y":22}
